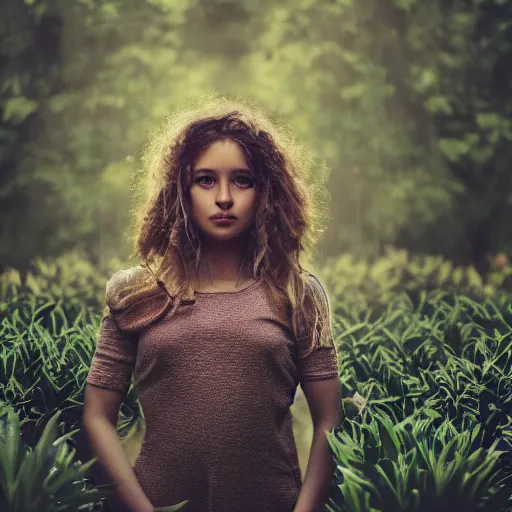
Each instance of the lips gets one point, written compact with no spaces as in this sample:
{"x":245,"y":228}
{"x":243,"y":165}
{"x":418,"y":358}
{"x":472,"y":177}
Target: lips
{"x":223,"y":221}
{"x":216,"y":217}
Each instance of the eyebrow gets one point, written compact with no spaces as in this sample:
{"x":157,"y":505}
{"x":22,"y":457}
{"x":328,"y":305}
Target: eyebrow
{"x":233,"y":170}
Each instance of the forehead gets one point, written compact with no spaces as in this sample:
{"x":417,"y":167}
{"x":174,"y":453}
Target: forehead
{"x":222,"y":154}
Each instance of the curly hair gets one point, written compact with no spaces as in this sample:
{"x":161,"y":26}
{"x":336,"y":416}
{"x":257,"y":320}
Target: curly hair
{"x":288,"y":219}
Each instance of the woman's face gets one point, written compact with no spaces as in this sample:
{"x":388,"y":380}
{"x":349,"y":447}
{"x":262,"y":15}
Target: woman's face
{"x":223,"y":183}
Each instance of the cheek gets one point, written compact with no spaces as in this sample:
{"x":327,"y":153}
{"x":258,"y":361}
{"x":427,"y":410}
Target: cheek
{"x":255,"y":203}
{"x":195,"y":200}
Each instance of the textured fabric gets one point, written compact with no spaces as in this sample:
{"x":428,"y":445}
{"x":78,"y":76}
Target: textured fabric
{"x":136,"y":299}
{"x":215,"y":382}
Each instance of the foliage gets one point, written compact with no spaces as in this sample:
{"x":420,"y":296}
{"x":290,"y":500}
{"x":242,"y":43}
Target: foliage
{"x":45,"y":355}
{"x":46,"y":478}
{"x":70,"y":278}
{"x":416,"y":467}
{"x":417,"y":379}
{"x":428,"y":365}
{"x":96,"y":76}
{"x":409,"y":103}
{"x":374,"y":284}
{"x":447,"y":353}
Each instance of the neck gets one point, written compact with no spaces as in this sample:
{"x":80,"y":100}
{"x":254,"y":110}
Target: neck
{"x":225,"y":265}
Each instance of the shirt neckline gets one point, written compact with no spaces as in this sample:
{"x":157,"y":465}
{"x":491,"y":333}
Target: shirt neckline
{"x":232,"y":292}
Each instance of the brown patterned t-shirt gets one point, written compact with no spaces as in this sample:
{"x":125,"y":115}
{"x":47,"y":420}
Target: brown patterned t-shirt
{"x":215,"y":382}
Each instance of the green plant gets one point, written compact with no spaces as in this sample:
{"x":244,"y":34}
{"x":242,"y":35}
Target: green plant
{"x":414,"y":466}
{"x":45,"y":356}
{"x":376,"y":284}
{"x":46,"y":478}
{"x":69,"y":277}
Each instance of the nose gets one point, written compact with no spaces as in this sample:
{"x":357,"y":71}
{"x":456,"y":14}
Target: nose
{"x":224,"y":205}
{"x":224,"y":198}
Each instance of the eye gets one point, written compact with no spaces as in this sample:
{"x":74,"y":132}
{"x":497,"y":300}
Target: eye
{"x":245,"y":180}
{"x":202,"y":178}
{"x":248,"y":181}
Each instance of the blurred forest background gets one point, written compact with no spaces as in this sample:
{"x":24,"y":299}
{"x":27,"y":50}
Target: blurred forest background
{"x":408,"y":103}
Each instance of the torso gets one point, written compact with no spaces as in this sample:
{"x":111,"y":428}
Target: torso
{"x":224,"y":366}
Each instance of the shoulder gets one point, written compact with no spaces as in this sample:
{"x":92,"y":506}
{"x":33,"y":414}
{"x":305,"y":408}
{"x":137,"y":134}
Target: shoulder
{"x":318,"y":328}
{"x":315,"y":287}
{"x":126,"y":286}
{"x":312,"y":279}
{"x":136,"y":299}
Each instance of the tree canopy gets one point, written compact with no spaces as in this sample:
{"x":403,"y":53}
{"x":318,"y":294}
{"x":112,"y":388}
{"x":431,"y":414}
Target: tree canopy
{"x":408,"y":103}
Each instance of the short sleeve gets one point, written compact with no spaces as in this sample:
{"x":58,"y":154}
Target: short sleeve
{"x":318,"y":361}
{"x":114,"y":358}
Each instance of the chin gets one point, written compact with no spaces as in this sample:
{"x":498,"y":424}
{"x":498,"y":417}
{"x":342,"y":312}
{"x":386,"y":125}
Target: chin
{"x":219,"y":235}
{"x":225,"y":236}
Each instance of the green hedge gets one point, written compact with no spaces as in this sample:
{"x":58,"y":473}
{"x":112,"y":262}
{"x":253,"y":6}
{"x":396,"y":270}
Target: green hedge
{"x":425,"y":373}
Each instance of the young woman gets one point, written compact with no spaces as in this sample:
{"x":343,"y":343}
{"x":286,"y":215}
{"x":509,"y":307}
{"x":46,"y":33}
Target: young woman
{"x":218,"y":325}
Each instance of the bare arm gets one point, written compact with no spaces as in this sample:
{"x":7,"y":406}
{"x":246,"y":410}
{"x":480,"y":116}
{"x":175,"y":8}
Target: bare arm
{"x":101,"y":409}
